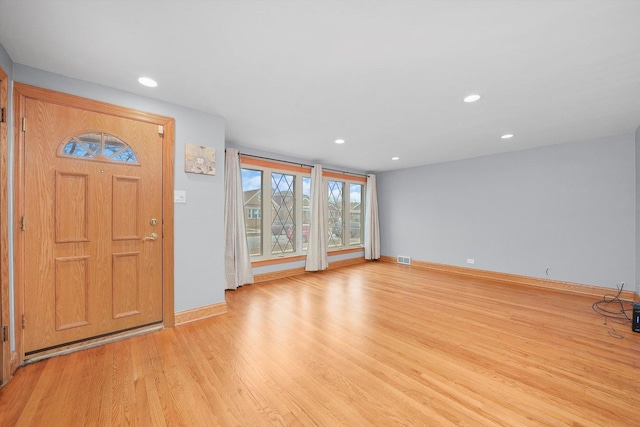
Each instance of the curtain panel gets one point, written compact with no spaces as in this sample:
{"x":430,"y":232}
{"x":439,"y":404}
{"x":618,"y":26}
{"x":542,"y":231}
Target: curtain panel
{"x":371,"y":224}
{"x":317,"y":247}
{"x":237,"y":260}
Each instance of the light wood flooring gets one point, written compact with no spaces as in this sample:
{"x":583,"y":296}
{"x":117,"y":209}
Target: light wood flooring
{"x":374,"y":344}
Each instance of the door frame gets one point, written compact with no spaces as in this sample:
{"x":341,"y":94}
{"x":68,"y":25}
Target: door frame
{"x":22,"y":92}
{"x":5,"y":346}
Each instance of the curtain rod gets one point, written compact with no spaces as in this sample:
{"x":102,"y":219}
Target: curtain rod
{"x":300,"y":164}
{"x":345,"y":172}
{"x":275,"y":160}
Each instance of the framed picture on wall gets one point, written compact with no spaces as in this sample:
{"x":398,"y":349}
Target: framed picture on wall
{"x":199,"y":159}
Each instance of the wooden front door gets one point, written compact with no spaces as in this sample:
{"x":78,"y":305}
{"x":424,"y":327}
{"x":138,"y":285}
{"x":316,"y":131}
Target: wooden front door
{"x":92,"y":224}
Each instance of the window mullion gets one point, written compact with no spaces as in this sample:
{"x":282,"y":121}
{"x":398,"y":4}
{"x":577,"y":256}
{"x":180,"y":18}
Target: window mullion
{"x":342,"y":212}
{"x":346,"y":214}
{"x":267,"y":209}
{"x":297,"y":221}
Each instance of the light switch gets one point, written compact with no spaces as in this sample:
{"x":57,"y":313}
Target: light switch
{"x":179,"y":196}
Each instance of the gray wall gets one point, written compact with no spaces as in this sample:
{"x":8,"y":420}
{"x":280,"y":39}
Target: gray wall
{"x":570,"y":208}
{"x":637,"y":234}
{"x":199,"y":224}
{"x":5,"y":61}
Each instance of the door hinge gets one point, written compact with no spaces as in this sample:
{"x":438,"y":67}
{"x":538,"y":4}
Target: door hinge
{"x":24,"y":322}
{"x":5,"y":334}
{"x":3,"y":115}
{"x":24,"y":124}
{"x":161,"y":129}
{"x":23,"y":223}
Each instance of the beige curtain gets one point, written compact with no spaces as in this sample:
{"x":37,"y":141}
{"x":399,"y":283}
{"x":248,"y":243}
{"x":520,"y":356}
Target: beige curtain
{"x":237,"y":260}
{"x":317,"y":247}
{"x":371,"y":225}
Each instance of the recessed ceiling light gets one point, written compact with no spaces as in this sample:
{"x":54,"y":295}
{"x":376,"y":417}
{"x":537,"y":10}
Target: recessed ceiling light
{"x":147,"y":81}
{"x":472,"y":98}
{"x":339,"y":141}
{"x":507,"y":136}
{"x":395,"y":158}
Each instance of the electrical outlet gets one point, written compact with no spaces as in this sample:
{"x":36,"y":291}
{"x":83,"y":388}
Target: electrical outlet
{"x":471,"y":261}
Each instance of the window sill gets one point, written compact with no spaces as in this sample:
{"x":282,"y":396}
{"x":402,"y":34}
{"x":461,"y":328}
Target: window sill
{"x":279,"y":260}
{"x":293,"y":258}
{"x":346,"y":250}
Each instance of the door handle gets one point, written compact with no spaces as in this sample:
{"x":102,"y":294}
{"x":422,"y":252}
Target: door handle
{"x":152,"y":236}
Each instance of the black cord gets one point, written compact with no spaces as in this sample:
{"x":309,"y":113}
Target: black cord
{"x":612,"y":307}
{"x":615,"y":334}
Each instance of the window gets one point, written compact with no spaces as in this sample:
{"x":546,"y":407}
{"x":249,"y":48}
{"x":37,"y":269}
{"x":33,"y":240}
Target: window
{"x":283,"y":213}
{"x":253,"y":213}
{"x":336,"y":225}
{"x":306,"y":211}
{"x":98,"y":146}
{"x":252,"y":191}
{"x":356,"y":214}
{"x":345,"y":214}
{"x":281,"y":228}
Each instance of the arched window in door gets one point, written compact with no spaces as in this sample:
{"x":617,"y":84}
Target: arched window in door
{"x":98,"y":146}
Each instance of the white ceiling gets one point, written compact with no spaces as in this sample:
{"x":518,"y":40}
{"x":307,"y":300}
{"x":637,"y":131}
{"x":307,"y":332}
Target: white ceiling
{"x":387,"y":76}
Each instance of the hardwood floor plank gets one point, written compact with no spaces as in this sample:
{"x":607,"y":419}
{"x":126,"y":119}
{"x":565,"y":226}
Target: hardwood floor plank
{"x":372,"y":344}
{"x":157,"y":381}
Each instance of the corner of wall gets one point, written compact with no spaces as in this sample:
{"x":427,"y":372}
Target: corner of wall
{"x":637,"y":254}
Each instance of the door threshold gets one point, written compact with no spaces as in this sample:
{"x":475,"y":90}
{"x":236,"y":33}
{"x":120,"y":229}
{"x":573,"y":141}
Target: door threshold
{"x":89,"y":343}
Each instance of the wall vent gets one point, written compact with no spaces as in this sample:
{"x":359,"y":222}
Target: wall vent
{"x":404,"y":260}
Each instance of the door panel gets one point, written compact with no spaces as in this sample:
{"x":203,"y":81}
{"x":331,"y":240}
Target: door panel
{"x":72,"y":210}
{"x":126,"y":199}
{"x":126,"y":284}
{"x":71,"y":292}
{"x":88,"y":270}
